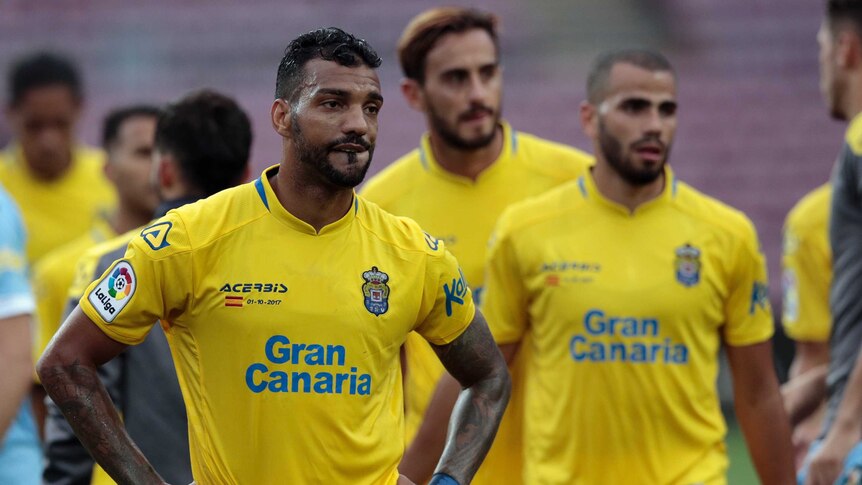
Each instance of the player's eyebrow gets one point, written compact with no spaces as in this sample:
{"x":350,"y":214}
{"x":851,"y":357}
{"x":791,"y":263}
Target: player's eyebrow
{"x":341,"y":93}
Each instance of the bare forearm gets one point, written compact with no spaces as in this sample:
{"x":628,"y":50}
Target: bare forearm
{"x":17,"y":367}
{"x":804,"y":393}
{"x":423,"y":453}
{"x":473,"y":425}
{"x":767,"y":434}
{"x":80,"y":395}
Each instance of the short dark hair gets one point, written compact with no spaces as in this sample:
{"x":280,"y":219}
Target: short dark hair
{"x":597,"y":81}
{"x":845,"y":11}
{"x":42,"y":69}
{"x":116,"y":118}
{"x":209,"y":135}
{"x":424,"y":30}
{"x":330,"y":44}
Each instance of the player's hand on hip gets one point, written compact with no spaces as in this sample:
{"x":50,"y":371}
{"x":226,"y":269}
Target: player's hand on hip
{"x":402,"y":480}
{"x":828,"y":462}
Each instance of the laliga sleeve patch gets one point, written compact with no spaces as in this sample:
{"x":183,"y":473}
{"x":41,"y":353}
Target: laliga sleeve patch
{"x":115,"y":290}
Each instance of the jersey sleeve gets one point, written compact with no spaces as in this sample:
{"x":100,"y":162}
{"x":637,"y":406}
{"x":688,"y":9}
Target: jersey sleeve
{"x":15,"y":295}
{"x":806,"y":274}
{"x":447,"y":307}
{"x":504,"y":302}
{"x":153,"y":281}
{"x":748,"y":314}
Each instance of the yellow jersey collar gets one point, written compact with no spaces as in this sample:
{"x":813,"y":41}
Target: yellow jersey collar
{"x":430,"y":164}
{"x":588,"y":189}
{"x":267,"y":197}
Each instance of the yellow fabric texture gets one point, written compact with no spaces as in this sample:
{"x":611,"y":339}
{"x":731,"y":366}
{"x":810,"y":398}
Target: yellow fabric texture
{"x":53,"y":277}
{"x":462,"y":212}
{"x":286,"y":341}
{"x":58,"y":211}
{"x":626,"y":313}
{"x":807,"y":268}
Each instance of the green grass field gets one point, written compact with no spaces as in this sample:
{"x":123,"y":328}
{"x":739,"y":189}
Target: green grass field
{"x":741,"y":470}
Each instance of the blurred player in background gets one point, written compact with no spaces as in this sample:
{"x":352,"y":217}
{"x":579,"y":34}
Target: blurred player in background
{"x":806,"y":276}
{"x":202,"y":144}
{"x":127,"y":137}
{"x":20,"y":453}
{"x":838,"y":456}
{"x":628,"y":282}
{"x":468,"y":168}
{"x":58,"y":183}
{"x":285,"y":302}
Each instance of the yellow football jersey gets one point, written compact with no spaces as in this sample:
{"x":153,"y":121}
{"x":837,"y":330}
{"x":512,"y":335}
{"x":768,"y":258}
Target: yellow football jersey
{"x":286,"y":341}
{"x":807,"y":268}
{"x":626,"y":314}
{"x":462,"y":212}
{"x":53,"y":276}
{"x":58,"y":211}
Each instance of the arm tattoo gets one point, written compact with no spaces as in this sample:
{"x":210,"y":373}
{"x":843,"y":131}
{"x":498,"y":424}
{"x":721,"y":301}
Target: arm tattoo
{"x":81,"y":396}
{"x":475,"y":361}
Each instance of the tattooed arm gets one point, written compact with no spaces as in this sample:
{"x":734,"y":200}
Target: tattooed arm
{"x":68,"y":372}
{"x":474,"y":360}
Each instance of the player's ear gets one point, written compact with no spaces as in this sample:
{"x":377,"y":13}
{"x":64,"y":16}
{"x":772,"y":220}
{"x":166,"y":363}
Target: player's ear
{"x":280,"y":114}
{"x":847,"y":49}
{"x":589,"y":119}
{"x":412,"y":92}
{"x":167,"y":172}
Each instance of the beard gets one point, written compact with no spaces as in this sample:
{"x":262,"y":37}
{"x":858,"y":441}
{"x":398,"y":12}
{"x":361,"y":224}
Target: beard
{"x":450,"y":135}
{"x":317,"y":158}
{"x":623,"y":165}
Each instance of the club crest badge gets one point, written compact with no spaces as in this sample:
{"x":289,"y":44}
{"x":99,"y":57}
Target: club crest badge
{"x":687,"y":265}
{"x":376,"y":291}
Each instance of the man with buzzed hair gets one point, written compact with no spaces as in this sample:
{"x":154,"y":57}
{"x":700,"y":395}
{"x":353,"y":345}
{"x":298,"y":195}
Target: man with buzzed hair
{"x":285,"y":302}
{"x":627,"y":283}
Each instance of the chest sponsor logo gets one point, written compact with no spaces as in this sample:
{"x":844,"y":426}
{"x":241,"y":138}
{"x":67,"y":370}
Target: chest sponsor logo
{"x":626,"y":338}
{"x":375,"y":291}
{"x":156,"y":236}
{"x":268,"y":290}
{"x":455,"y":292}
{"x":305,"y":369}
{"x":687,"y":265}
{"x":114,"y":291}
{"x":558,"y":273}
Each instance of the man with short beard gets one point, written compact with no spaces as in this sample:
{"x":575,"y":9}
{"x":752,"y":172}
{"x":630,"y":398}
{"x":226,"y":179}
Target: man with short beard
{"x":468,"y":168}
{"x":625,"y":285}
{"x":285,"y":302}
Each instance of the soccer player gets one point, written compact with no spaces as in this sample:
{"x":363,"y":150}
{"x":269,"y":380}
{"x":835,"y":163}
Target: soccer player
{"x":627,"y":282}
{"x":469,"y":166}
{"x":807,"y":273}
{"x":58,"y":183}
{"x":285,"y":302}
{"x":20,"y":454}
{"x":838,"y":456}
{"x":202,"y":144}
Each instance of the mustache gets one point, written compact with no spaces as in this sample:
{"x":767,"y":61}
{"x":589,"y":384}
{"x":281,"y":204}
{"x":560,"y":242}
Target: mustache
{"x":353,"y":139}
{"x":652,"y":139}
{"x":476,"y":110}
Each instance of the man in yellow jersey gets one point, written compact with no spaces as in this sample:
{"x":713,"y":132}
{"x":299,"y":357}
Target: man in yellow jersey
{"x":837,"y":457}
{"x":628,"y":283}
{"x":201,"y":147}
{"x":467,"y":169}
{"x":806,"y":275}
{"x":285,"y":302}
{"x":127,"y":137}
{"x":58,"y":183}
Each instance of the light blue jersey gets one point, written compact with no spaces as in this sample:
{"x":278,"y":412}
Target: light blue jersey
{"x":20,"y":453}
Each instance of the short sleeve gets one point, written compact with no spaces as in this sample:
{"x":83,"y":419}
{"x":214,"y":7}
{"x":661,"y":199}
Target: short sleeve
{"x":152,"y":281}
{"x":504,"y":303}
{"x":806,"y":275}
{"x":16,"y":297}
{"x":748,"y":314}
{"x":447,"y":307}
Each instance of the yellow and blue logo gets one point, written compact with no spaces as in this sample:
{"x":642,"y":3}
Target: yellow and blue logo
{"x":376,"y":291}
{"x":687,"y":265}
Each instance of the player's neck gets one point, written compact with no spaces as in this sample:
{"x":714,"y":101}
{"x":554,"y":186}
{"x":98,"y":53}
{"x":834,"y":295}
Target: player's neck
{"x":615,"y":188}
{"x":124,"y":219}
{"x":311,"y":201}
{"x":466,"y":163}
{"x":853,"y":102}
